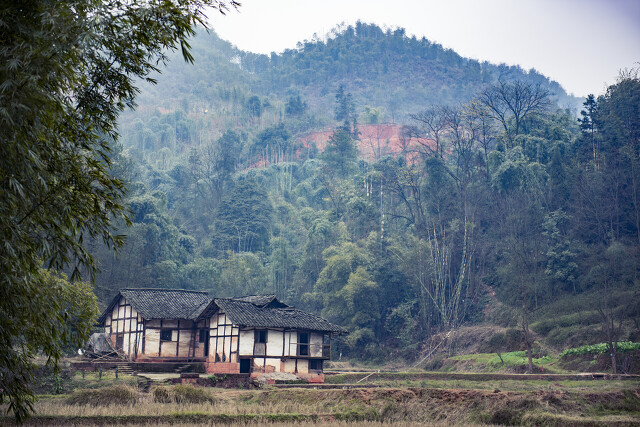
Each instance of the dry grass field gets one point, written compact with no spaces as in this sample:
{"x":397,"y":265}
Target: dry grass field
{"x":400,"y":401}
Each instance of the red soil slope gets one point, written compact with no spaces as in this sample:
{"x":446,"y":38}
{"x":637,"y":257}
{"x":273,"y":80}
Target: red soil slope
{"x":376,"y":141}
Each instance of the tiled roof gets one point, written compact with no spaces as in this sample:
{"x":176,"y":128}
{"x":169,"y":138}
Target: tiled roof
{"x":245,"y":313}
{"x":162,"y":303}
{"x":261,"y":300}
{"x":261,"y":311}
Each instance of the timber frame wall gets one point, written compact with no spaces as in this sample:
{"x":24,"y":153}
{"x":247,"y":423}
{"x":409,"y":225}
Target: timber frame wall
{"x":140,"y":339}
{"x":229,"y":344}
{"x":217,"y":340}
{"x":126,"y":329}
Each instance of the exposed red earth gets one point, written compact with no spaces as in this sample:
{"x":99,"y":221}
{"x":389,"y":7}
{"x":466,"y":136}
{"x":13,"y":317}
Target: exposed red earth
{"x":376,"y":141}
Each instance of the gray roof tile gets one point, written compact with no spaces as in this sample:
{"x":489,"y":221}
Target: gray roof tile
{"x":261,"y":300}
{"x":261,"y":311}
{"x":244,"y":313}
{"x":162,"y":303}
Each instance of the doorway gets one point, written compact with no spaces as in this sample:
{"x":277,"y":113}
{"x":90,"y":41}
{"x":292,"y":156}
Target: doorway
{"x":245,"y":366}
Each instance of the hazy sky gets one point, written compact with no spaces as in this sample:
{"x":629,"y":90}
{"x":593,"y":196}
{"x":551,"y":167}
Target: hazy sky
{"x":580,"y":43}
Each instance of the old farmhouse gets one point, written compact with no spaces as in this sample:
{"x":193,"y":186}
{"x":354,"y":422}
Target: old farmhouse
{"x":254,"y":334}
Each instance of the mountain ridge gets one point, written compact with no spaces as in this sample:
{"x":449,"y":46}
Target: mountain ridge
{"x":400,"y":74}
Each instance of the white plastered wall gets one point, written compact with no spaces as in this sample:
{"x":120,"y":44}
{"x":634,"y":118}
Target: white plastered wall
{"x":275,"y":363}
{"x":315,"y":341}
{"x":290,"y":366}
{"x":303,"y":366}
{"x":293,"y":344}
{"x":152,"y":342}
{"x":274,"y":343}
{"x":246,"y":342}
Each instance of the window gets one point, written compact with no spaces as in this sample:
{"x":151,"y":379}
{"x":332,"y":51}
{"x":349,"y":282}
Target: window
{"x":261,"y":337}
{"x":303,"y":344}
{"x":203,"y":335}
{"x":260,"y":342}
{"x":315,"y":365}
{"x":165,"y":335}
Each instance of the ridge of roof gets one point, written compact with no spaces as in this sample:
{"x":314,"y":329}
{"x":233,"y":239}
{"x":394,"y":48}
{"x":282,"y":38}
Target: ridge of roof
{"x":164,"y":290}
{"x":254,"y":295}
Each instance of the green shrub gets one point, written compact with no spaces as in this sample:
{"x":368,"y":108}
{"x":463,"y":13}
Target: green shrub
{"x":113,"y":395}
{"x":583,"y":318}
{"x":216,"y":379}
{"x":601,"y":348}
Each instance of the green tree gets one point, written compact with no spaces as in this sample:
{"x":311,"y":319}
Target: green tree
{"x":254,"y":106}
{"x":295,"y":106}
{"x":67,"y":70}
{"x":589,"y":130}
{"x":341,"y":151}
{"x":243,"y":219}
{"x":371,"y":115}
{"x":274,"y":144}
{"x":243,"y":273}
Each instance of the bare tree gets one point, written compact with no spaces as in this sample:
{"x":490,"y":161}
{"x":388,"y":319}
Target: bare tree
{"x":479,"y":120}
{"x":510,"y":103}
{"x":433,"y":122}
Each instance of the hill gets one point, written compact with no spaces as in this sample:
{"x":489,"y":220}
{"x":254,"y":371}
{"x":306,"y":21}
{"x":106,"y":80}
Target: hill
{"x":386,"y":69}
{"x":299,"y":174}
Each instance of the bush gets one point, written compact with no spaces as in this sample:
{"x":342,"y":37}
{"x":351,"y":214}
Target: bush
{"x":162,"y":395}
{"x":514,"y":339}
{"x":114,"y":395}
{"x":50,"y":382}
{"x":581,"y":318}
{"x":191,"y":394}
{"x":601,"y":348}
{"x":181,"y":394}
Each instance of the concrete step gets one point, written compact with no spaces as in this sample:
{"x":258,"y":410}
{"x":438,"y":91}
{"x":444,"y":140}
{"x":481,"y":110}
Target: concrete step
{"x":124,"y":368}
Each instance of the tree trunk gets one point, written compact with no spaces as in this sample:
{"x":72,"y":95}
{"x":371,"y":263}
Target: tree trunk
{"x":527,"y":335}
{"x":612,"y":354}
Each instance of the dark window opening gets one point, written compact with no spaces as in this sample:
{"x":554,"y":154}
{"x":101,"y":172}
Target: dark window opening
{"x":203,"y":335}
{"x":315,"y":364}
{"x":303,"y":344}
{"x":245,"y":366}
{"x":119,"y":341}
{"x":165,"y":335}
{"x":261,"y":337}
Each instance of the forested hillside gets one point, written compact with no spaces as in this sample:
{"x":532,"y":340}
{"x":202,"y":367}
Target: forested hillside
{"x":390,"y":185}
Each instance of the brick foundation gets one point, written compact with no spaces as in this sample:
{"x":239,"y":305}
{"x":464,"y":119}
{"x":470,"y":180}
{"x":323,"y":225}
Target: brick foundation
{"x":313,"y":378}
{"x":222,"y":381}
{"x":222,"y":368}
{"x":309,"y":378}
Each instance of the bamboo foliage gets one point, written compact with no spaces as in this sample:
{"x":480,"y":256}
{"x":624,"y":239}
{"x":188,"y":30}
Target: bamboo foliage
{"x":443,"y":283}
